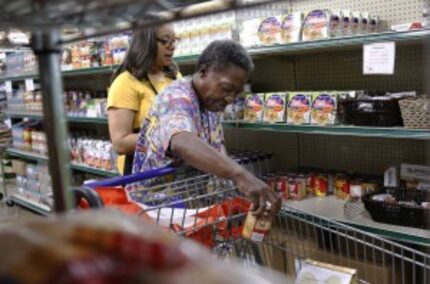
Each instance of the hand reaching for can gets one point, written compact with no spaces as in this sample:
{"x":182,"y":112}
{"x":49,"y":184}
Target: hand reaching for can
{"x":264,"y":200}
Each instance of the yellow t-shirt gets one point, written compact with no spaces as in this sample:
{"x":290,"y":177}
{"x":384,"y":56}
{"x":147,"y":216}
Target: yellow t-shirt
{"x":127,"y":92}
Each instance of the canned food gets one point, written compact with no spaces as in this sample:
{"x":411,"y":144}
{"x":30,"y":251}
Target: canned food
{"x":296,"y":188}
{"x":370,"y":187}
{"x":282,"y":186}
{"x":310,"y":183}
{"x":342,"y":188}
{"x":321,"y":185}
{"x":256,"y":229}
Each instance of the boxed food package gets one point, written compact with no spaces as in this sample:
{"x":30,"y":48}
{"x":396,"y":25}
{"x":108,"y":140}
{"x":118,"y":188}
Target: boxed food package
{"x":299,"y":108}
{"x":311,"y":271}
{"x":414,"y":173}
{"x":336,"y":23}
{"x":346,"y":22}
{"x":291,"y":28}
{"x":324,"y":108}
{"x":274,"y":107}
{"x":316,"y":25}
{"x":355,"y":23}
{"x":269,"y":31}
{"x":365,"y":19}
{"x":249,"y":35}
{"x":254,"y":107}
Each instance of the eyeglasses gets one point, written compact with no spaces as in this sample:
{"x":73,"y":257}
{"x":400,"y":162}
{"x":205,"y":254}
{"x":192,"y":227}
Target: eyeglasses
{"x":169,"y":42}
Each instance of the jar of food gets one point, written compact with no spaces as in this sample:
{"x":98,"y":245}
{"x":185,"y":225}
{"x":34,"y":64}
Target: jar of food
{"x":321,"y":185}
{"x":342,"y":187}
{"x":257,"y":229}
{"x":282,"y":186}
{"x":310,"y":183}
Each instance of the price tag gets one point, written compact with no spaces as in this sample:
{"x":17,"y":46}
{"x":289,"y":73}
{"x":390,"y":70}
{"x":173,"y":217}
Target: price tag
{"x":379,"y":58}
{"x":8,"y":86}
{"x":29,"y":85}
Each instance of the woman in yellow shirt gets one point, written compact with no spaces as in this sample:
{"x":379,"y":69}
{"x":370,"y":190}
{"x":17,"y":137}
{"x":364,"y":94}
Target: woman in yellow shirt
{"x":146,"y":70}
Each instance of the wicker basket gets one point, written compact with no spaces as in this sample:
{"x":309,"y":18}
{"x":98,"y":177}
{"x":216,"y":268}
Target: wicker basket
{"x":416,"y":112}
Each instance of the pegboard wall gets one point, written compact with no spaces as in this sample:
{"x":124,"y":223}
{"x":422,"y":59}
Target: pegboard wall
{"x":365,"y":155}
{"x":343,"y":70}
{"x":390,"y":12}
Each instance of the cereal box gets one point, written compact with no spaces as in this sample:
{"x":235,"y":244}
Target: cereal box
{"x":254,"y":107}
{"x":291,"y":28}
{"x":324,"y":106}
{"x":274,"y":107}
{"x":269,"y":31}
{"x":299,"y":108}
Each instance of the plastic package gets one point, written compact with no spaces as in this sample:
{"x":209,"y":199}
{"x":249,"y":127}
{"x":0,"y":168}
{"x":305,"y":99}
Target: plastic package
{"x":104,"y":246}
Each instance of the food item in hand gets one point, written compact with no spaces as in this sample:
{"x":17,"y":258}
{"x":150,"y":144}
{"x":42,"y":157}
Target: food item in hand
{"x":324,"y":107}
{"x":291,"y":27}
{"x":254,"y":107}
{"x":256,"y":229}
{"x":316,"y":25}
{"x":274,"y":107}
{"x":299,"y":108}
{"x":269,"y":31}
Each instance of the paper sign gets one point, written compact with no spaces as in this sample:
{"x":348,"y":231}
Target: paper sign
{"x":379,"y":58}
{"x":8,"y":86}
{"x":29,"y":85}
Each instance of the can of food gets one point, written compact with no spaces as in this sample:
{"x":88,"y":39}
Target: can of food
{"x":256,"y":229}
{"x":370,"y":186}
{"x":342,"y":187}
{"x":293,"y":187}
{"x":321,"y":185}
{"x":282,"y":186}
{"x":302,"y":179}
{"x":310,"y":183}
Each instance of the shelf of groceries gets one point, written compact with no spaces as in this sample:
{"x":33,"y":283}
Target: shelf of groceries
{"x":74,"y":165}
{"x":412,"y":36}
{"x":39,"y":115}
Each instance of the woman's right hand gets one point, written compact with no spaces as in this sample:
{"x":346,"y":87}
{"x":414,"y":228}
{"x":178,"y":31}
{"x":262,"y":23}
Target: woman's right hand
{"x":259,"y":193}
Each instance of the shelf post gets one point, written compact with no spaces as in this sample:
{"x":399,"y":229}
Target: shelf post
{"x":46,"y":46}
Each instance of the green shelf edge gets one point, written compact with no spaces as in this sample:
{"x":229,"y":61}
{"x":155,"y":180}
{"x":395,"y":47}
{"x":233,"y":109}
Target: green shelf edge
{"x":13,"y":114}
{"x":291,"y":48}
{"x":82,"y":168}
{"x":31,"y":206}
{"x":382,"y":132}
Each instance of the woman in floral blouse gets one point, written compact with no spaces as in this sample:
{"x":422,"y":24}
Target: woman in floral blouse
{"x":184,"y":122}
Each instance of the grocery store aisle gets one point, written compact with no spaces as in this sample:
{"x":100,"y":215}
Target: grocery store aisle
{"x":15,"y":215}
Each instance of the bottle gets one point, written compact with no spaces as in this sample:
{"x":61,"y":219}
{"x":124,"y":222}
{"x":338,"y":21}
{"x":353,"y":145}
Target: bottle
{"x":257,"y":229}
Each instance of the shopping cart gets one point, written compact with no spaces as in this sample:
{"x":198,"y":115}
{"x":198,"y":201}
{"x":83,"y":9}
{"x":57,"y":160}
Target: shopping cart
{"x":212,"y":211}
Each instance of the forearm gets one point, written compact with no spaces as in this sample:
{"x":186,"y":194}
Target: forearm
{"x":202,"y":156}
{"x":125,"y":144}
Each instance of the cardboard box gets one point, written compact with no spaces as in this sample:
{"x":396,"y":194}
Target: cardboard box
{"x":274,"y":107}
{"x":19,"y":167}
{"x":299,"y":108}
{"x":324,"y":108}
{"x":254,"y":104}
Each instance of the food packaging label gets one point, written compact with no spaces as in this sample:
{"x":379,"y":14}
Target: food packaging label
{"x":256,"y":229}
{"x":324,"y":106}
{"x":414,"y":172}
{"x":314,"y":272}
{"x":274,"y":107}
{"x":254,"y":107}
{"x":316,"y":25}
{"x":249,"y":35}
{"x":299,"y":108}
{"x":269,"y":31}
{"x":291,"y":28}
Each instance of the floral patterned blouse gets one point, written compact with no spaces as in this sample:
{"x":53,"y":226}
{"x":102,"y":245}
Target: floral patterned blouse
{"x":176,"y":109}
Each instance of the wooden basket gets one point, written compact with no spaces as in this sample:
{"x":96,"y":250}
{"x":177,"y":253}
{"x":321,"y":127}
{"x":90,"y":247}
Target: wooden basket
{"x":416,"y":112}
